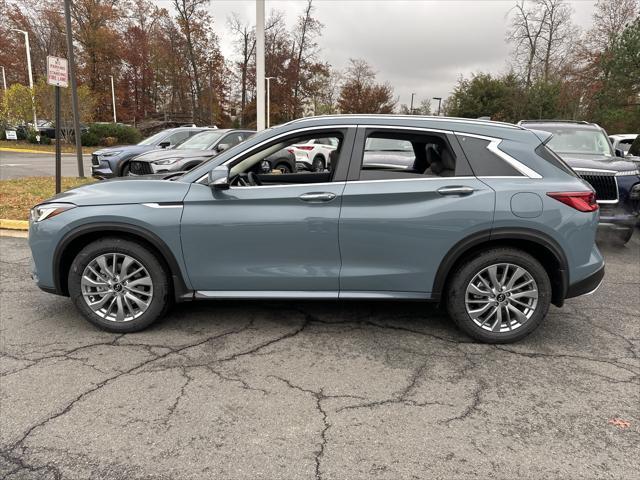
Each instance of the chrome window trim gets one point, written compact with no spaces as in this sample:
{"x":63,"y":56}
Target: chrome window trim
{"x":425,"y":179}
{"x":237,"y":187}
{"x":493,"y":148}
{"x":275,"y":137}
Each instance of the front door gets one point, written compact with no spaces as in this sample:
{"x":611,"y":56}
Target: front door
{"x":278,"y":237}
{"x":409,"y":201}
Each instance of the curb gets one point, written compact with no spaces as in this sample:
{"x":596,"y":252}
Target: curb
{"x":14,"y":233}
{"x":24,"y":150}
{"x":13,"y":224}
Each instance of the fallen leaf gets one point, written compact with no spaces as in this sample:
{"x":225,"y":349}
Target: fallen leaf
{"x":619,"y":422}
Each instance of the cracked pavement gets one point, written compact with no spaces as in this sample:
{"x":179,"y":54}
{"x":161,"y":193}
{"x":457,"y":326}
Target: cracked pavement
{"x":317,"y":390}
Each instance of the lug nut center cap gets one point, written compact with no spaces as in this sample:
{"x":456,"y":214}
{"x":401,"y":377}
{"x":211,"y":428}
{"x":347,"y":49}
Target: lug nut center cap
{"x":501,"y":297}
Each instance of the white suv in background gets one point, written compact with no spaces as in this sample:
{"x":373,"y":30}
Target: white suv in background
{"x":313,"y":155}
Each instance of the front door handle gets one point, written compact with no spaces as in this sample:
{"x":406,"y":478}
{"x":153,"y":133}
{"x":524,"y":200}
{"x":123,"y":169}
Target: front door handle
{"x":456,"y":190}
{"x":316,"y":197}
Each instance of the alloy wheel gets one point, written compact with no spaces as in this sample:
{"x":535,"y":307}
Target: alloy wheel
{"x":117,"y":287}
{"x":501,"y":297}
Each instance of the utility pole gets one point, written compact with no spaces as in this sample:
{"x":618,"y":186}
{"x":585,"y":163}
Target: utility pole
{"x":33,"y":100}
{"x":260,"y":80}
{"x":439,"y":104}
{"x":113,"y":100}
{"x":268,"y":79}
{"x":4,"y":80}
{"x":74,"y":88}
{"x":411,"y":108}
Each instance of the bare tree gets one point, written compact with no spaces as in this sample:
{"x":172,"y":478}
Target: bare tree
{"x":526,"y":32}
{"x":609,"y":19}
{"x":541,"y":31}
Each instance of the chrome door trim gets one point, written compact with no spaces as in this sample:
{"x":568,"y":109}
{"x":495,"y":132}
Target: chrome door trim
{"x":162,"y":205}
{"x":272,"y":294}
{"x":298,"y":185}
{"x":493,"y":148}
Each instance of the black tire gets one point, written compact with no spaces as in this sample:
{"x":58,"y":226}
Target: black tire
{"x":160,"y":283}
{"x":283,"y":167}
{"x":124,"y":171}
{"x":625,"y":235}
{"x":467,"y":270}
{"x":318,"y":164}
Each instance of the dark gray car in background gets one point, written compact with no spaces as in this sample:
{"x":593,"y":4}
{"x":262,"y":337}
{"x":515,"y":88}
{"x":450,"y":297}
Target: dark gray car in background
{"x":114,"y":161}
{"x":202,"y":147}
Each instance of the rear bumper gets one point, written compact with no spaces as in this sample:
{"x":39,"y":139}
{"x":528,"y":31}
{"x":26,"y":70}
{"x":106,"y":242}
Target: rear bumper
{"x":587,"y":285}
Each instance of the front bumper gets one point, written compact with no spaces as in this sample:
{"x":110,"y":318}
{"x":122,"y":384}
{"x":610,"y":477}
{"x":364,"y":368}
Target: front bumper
{"x":587,"y":285}
{"x":101,"y":168}
{"x":616,"y":218}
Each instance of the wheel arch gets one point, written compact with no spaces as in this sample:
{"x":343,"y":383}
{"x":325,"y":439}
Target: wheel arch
{"x":541,"y":246}
{"x":77,"y":239}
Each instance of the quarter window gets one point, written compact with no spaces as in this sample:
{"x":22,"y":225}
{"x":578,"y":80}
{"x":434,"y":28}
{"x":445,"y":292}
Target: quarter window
{"x":484,"y":162}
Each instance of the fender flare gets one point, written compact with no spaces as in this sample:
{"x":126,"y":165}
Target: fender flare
{"x":535,"y":236}
{"x":181,"y":291}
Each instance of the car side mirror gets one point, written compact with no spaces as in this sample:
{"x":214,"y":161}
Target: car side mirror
{"x":222,"y":147}
{"x":619,"y":153}
{"x":219,"y":177}
{"x":164,"y":144}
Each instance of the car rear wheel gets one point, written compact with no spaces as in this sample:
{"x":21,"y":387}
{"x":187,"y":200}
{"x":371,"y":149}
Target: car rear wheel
{"x":119,"y":285}
{"x":499,"y":296}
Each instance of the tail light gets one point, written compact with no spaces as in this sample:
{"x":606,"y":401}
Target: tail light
{"x":305,"y":147}
{"x":290,"y":150}
{"x":581,"y":201}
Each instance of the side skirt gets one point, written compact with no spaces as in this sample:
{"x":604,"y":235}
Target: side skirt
{"x":310,"y":295}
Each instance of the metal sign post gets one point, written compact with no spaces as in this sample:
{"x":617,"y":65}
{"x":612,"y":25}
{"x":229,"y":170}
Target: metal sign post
{"x":57,"y":75}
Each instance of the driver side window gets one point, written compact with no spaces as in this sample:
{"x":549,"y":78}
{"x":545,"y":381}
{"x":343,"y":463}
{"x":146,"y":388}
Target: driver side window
{"x":294,"y":160}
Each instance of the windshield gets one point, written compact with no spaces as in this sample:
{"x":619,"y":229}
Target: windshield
{"x":387,"y":145}
{"x":200,"y":141}
{"x":576,"y":140}
{"x":153,"y":139}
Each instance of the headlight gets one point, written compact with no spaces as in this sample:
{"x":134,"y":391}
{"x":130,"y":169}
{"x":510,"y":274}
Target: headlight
{"x":109,"y":154}
{"x":166,"y":161}
{"x":48,"y":210}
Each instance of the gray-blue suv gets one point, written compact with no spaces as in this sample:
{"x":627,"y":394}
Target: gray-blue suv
{"x":484,"y":219}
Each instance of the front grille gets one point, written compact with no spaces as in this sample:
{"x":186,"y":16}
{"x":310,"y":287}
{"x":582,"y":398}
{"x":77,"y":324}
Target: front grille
{"x":140,"y":168}
{"x":605,"y":184}
{"x":94,"y":159}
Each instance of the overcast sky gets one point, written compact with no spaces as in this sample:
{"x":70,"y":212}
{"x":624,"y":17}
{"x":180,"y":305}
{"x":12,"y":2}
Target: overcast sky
{"x":419,"y":46}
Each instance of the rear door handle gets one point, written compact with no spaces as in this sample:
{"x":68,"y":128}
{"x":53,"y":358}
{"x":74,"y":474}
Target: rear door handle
{"x":316,"y":197}
{"x":456,"y":190}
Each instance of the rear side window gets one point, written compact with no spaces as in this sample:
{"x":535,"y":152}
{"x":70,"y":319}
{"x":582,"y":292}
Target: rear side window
{"x":401,"y":155}
{"x":545,"y":152}
{"x":484,"y":162}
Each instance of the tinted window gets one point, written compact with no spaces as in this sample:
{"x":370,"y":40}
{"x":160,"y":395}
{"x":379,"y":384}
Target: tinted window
{"x":554,"y":159}
{"x":389,"y":155}
{"x":201,"y":141}
{"x":485,"y":163}
{"x":576,"y":139}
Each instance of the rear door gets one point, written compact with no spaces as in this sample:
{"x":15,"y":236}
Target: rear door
{"x":400,"y":218}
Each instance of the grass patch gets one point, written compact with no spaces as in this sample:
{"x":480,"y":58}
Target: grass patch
{"x":65,"y":147}
{"x":19,"y":195}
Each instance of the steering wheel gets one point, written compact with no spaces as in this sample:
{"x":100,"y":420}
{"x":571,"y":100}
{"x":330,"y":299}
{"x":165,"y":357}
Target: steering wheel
{"x":253,"y":179}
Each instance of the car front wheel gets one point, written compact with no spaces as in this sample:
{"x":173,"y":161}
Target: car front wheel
{"x":499,"y":296}
{"x":119,"y":285}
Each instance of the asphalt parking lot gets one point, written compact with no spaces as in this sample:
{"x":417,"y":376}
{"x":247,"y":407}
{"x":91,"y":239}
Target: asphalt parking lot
{"x":18,"y":164}
{"x":247,"y":390}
